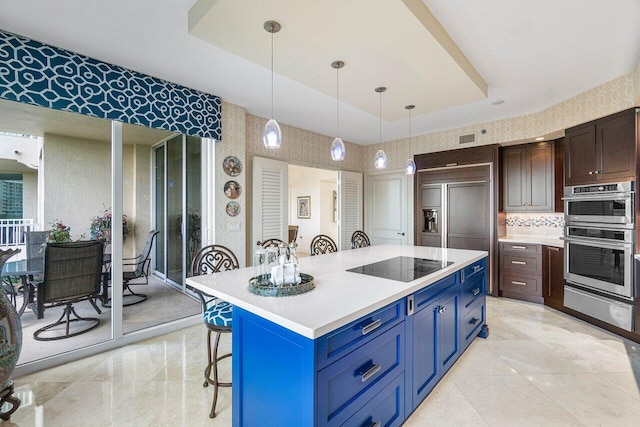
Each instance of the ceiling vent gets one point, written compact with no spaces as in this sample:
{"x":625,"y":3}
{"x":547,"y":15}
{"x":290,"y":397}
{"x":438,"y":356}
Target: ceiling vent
{"x":467,"y":139}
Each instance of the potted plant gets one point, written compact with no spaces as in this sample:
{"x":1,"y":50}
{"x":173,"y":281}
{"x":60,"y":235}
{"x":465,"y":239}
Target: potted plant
{"x":59,"y":233}
{"x":100,"y":227}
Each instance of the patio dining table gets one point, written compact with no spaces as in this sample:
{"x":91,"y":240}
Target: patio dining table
{"x":19,"y":269}
{"x":28,"y":289}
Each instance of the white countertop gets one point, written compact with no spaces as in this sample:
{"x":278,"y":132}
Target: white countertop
{"x":548,"y":241}
{"x":339,"y":296}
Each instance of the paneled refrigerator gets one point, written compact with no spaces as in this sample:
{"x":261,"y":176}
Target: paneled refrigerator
{"x":454,"y":208}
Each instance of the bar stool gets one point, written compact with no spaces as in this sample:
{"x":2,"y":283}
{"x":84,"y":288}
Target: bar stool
{"x":217,"y":313}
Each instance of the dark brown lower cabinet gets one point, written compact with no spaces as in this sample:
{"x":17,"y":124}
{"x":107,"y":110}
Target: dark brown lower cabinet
{"x":521,"y":271}
{"x":553,"y":276}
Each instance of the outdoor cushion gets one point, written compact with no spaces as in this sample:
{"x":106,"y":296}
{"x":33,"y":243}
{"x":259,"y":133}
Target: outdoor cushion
{"x":219,"y":314}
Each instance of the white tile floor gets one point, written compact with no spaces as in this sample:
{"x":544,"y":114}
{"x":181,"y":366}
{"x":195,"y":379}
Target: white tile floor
{"x":538,"y":367}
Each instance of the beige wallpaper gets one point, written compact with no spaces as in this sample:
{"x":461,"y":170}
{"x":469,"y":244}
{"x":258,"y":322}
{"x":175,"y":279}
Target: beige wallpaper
{"x":232,"y":144}
{"x":301,"y":147}
{"x":611,"y":97}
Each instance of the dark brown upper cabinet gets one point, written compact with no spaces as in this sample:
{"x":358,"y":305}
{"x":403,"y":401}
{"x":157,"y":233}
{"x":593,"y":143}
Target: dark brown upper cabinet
{"x":528,"y":178}
{"x":603,"y":150}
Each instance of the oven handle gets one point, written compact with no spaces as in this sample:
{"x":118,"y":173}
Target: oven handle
{"x":607,"y":196}
{"x":599,"y":243}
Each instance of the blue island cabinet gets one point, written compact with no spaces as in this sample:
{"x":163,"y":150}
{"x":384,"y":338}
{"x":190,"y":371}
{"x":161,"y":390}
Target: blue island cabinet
{"x":371,"y":372}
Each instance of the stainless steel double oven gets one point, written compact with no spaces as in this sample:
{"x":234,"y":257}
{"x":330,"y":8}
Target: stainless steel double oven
{"x":599,"y":251}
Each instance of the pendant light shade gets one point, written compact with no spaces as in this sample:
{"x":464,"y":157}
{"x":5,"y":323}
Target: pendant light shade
{"x":272,"y":135}
{"x":410,"y":167}
{"x":337,"y":147}
{"x":380,"y":160}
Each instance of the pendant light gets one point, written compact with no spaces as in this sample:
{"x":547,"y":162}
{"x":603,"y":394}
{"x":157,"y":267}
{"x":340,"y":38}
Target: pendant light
{"x":380,"y":161}
{"x":337,"y":146}
{"x":410,"y":168}
{"x":272,"y":135}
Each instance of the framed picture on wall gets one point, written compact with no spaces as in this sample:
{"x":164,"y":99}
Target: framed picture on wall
{"x":304,"y":207}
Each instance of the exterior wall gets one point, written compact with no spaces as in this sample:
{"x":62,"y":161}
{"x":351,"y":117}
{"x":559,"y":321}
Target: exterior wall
{"x":233,"y":144}
{"x":140,"y":217}
{"x":30,"y":196}
{"x":77,"y":184}
{"x":616,"y":95}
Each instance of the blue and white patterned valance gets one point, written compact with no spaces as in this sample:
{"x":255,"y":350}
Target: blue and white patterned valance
{"x":38,"y":74}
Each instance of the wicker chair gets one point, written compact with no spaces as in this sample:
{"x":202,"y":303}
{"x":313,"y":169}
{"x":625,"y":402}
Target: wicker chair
{"x":322,"y":244}
{"x":270,"y":243}
{"x":359,"y":239}
{"x":140,"y":266}
{"x":72,"y":273}
{"x":217,"y":313}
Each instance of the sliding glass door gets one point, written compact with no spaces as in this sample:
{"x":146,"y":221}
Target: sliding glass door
{"x":177,"y":206}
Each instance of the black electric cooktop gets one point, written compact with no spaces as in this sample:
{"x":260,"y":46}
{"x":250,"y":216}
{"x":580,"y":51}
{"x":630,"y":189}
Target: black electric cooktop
{"x":402,"y":268}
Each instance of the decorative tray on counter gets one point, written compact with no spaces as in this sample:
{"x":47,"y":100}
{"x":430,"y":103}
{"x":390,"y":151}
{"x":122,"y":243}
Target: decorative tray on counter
{"x":260,"y":285}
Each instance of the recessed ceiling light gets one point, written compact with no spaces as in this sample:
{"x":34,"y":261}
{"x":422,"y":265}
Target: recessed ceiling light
{"x":498,"y":102}
{"x":540,"y":138}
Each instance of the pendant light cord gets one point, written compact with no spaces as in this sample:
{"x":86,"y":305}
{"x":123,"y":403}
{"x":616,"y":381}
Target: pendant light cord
{"x":380,"y":138}
{"x":272,"y":74}
{"x":338,"y":102}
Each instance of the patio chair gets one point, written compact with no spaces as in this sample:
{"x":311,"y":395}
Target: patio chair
{"x":359,"y":239}
{"x":322,"y":244}
{"x":35,"y":243}
{"x":140,"y":266}
{"x":72,"y":273}
{"x":217,"y":313}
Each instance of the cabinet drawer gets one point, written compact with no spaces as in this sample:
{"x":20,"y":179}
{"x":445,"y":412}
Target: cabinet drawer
{"x":520,"y":248}
{"x":350,"y":382}
{"x":520,"y":284}
{"x":472,"y":323}
{"x":385,"y":409}
{"x":423,"y":296}
{"x":339,"y":342}
{"x":472,"y":271}
{"x":521,"y":263}
{"x":472,"y":290}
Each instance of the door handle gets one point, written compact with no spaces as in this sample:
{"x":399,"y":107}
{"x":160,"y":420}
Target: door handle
{"x":401,"y":234}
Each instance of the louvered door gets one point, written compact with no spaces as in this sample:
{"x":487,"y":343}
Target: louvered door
{"x":270,"y":200}
{"x":349,"y":207}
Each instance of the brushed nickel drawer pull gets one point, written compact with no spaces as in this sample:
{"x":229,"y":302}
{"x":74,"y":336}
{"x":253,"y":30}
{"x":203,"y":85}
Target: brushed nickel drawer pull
{"x":476,"y":268}
{"x":370,"y":372}
{"x":371,"y":326}
{"x":519,"y":247}
{"x":519,"y":262}
{"x":516,"y":282}
{"x":551,"y":248}
{"x":475,"y":292}
{"x":441,"y":309}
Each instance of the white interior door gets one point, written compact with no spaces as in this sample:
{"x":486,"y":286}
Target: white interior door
{"x":349,"y":207}
{"x":387,"y":220}
{"x":270,"y":200}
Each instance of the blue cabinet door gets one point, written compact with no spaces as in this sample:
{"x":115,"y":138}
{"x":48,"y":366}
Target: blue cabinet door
{"x":448,"y":326}
{"x":436,"y":342}
{"x":424,"y":355}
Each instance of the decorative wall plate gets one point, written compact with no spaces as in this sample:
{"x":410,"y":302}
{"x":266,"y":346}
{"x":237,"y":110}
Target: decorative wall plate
{"x":232,"y":165}
{"x":232,"y":189}
{"x":233,"y":209}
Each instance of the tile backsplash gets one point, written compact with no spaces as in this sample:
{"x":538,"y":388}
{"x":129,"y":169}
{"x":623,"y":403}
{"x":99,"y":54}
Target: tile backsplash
{"x":535,"y":224}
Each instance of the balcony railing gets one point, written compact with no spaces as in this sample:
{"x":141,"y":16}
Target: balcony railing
{"x":12,"y":231}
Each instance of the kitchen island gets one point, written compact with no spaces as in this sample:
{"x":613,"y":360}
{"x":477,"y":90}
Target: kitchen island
{"x":357,"y":348}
